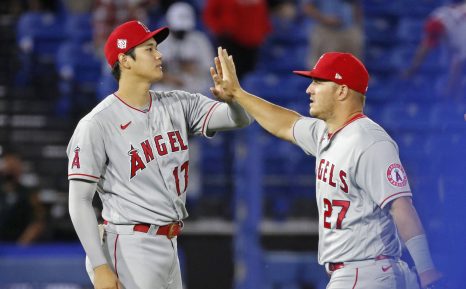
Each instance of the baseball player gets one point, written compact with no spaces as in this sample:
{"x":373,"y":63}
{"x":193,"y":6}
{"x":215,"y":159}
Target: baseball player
{"x":445,"y":24}
{"x":362,"y":190}
{"x":132,"y":148}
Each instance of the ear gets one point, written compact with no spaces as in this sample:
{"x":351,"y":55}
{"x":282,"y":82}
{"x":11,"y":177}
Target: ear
{"x":123,"y":60}
{"x":343,"y":92}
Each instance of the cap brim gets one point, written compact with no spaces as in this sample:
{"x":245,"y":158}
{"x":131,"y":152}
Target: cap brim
{"x":160,"y":34}
{"x":303,"y":73}
{"x":311,"y":74}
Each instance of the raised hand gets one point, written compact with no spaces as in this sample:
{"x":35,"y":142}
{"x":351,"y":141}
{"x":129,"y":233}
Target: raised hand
{"x":224,"y":77}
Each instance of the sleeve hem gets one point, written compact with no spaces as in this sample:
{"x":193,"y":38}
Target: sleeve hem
{"x":207,"y":118}
{"x":83,"y":177}
{"x":394,"y":197}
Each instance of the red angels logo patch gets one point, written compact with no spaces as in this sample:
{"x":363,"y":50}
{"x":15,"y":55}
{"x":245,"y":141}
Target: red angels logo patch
{"x":396,"y":175}
{"x":76,"y":162}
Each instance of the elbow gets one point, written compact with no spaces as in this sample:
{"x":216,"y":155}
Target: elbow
{"x":247,"y":121}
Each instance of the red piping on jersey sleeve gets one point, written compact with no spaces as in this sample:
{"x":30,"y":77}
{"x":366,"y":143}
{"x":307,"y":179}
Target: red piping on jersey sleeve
{"x":400,"y":194}
{"x":150,"y":104}
{"x":294,"y":125}
{"x":207,"y":117}
{"x":83,"y":175}
{"x":357,"y":116}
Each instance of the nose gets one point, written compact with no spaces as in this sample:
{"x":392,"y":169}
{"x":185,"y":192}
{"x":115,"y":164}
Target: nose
{"x":158,"y":54}
{"x":310,"y":88}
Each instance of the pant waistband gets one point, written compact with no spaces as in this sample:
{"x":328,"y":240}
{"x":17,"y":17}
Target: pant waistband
{"x":335,"y":266}
{"x":171,"y":230}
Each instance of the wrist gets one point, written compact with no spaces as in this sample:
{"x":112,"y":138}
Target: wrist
{"x":100,"y":268}
{"x":419,"y":251}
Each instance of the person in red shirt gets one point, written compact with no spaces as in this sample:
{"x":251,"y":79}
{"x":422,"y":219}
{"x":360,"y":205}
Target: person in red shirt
{"x":239,"y":26}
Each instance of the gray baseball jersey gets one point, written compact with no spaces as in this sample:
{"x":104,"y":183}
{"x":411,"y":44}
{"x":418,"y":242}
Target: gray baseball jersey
{"x":358,"y":172}
{"x":139,"y":158}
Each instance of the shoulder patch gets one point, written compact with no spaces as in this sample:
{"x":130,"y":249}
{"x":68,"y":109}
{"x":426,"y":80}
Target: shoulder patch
{"x":396,"y":175}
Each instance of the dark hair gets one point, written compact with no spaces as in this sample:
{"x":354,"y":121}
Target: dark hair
{"x":116,"y":71}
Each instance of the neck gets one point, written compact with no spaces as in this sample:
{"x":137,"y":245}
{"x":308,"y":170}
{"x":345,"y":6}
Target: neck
{"x":135,"y":93}
{"x":340,"y":120}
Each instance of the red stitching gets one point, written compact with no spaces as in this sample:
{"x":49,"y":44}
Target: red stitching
{"x":207,"y":116}
{"x":381,"y":205}
{"x":115,"y":255}
{"x":83,"y":175}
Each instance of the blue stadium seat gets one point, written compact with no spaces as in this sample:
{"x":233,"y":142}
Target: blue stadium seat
{"x":382,"y":88}
{"x":380,"y":29}
{"x":410,"y":29}
{"x":79,"y":70}
{"x":448,"y":116}
{"x":380,"y":7}
{"x":281,"y":57}
{"x":79,"y":63}
{"x":283,"y":269}
{"x":419,"y":8}
{"x":106,"y":85}
{"x":40,"y":33}
{"x":434,"y":63}
{"x":406,"y":116}
{"x":276,"y":88}
{"x":38,"y":37}
{"x":377,"y":58}
{"x":78,"y":27}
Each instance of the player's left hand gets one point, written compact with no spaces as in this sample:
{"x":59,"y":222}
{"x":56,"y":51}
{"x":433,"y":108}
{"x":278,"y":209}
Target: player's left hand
{"x":429,"y":278}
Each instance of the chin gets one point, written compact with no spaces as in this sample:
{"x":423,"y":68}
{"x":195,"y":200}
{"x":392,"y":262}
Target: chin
{"x":157,"y":77}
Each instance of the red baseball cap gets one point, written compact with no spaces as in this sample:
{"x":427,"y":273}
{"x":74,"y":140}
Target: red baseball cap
{"x":341,"y":68}
{"x":129,"y":35}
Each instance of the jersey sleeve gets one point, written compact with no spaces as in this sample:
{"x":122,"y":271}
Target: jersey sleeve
{"x":86,"y":152}
{"x":434,"y":31}
{"x":381,"y":175}
{"x":307,"y":133}
{"x":198,"y":110}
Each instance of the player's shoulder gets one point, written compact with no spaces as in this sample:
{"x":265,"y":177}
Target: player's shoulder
{"x":101,"y":109}
{"x":171,"y":94}
{"x":370,"y":132}
{"x":174,"y":96}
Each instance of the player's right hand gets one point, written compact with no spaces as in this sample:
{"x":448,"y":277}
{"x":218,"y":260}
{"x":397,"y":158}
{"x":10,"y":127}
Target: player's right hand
{"x":105,"y":278}
{"x":429,"y":278}
{"x":224,"y":76}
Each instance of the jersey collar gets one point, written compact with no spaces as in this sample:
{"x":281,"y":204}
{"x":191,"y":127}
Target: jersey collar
{"x":150,"y":104}
{"x":357,"y":116}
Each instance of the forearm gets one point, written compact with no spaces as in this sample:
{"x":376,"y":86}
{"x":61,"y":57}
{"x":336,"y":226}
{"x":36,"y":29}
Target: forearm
{"x":229,"y":116}
{"x":31,"y":233}
{"x":419,"y":57}
{"x":84,"y":220}
{"x":275,"y":119}
{"x":411,"y":232}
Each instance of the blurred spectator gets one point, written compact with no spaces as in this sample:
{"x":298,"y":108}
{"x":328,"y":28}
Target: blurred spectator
{"x":110,"y":13}
{"x":240,"y":26}
{"x":187,"y":52}
{"x":338,"y":27}
{"x":22,"y":215}
{"x":81,"y":6}
{"x":445,"y":25}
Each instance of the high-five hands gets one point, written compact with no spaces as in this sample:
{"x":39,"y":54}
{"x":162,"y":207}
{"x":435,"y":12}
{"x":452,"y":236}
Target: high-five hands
{"x":226,"y":83}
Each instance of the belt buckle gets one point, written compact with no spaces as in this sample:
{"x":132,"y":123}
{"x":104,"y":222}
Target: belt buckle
{"x":173,"y":230}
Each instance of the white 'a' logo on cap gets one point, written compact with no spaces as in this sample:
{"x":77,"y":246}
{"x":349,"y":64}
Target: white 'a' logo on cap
{"x":338,"y":76}
{"x":121,"y":43}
